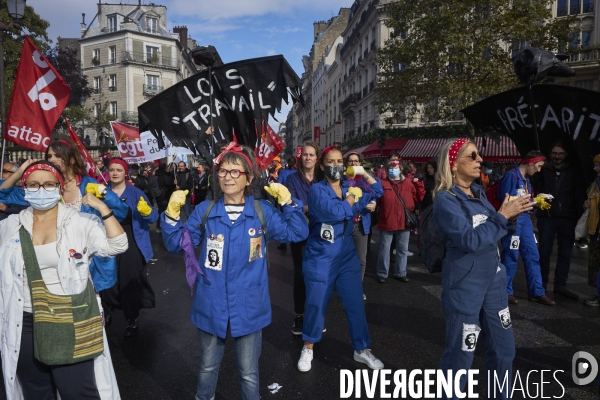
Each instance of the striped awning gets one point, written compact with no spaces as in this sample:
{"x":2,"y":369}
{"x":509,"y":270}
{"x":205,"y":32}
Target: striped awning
{"x":422,"y":150}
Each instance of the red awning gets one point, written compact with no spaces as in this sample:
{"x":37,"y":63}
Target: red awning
{"x":359,"y":150}
{"x":422,"y":150}
{"x":390,"y":145}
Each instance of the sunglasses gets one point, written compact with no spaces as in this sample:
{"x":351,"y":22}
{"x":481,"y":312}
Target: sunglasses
{"x":474,"y":155}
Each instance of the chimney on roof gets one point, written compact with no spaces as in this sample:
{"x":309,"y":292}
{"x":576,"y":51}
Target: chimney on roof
{"x":83,"y":26}
{"x":182,"y":31}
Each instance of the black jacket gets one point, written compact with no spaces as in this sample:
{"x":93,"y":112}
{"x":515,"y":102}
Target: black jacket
{"x":567,"y":187}
{"x":165,"y":183}
{"x":429,"y":186}
{"x":185,"y":181}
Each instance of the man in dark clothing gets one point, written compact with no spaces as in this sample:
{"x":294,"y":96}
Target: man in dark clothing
{"x":563,"y":181}
{"x":184,"y":180}
{"x":164,"y":182}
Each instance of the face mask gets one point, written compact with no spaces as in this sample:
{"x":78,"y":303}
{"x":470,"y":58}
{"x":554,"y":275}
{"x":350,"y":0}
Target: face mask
{"x":394,"y":172}
{"x":487,"y":171}
{"x":334,"y":172}
{"x":43,"y":199}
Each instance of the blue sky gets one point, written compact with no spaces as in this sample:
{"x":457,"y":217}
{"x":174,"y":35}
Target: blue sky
{"x":239,"y":29}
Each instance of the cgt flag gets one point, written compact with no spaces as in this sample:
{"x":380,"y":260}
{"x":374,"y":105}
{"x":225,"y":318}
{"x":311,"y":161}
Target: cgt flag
{"x":88,"y":160}
{"x":39,"y":97}
{"x":270,"y":146}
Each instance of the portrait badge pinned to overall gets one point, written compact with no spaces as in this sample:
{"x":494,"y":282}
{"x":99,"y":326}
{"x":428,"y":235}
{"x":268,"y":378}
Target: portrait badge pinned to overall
{"x":470,"y":334}
{"x":514,"y":242}
{"x":327,"y":233}
{"x":214,"y":254}
{"x":251,"y":232}
{"x":255,"y":248}
{"x":505,"y":319}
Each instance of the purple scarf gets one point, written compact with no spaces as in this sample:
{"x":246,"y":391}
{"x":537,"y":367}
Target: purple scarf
{"x":192,"y":268}
{"x":359,"y":183}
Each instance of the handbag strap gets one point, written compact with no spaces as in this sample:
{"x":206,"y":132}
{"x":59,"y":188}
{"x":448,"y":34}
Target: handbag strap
{"x":31,"y":263}
{"x":395,"y":191}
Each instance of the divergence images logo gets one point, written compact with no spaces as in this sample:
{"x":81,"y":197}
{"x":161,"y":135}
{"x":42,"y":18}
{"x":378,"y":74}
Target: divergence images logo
{"x":584,"y":363}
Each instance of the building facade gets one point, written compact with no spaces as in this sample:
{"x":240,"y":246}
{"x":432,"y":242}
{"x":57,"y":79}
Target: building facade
{"x":129,"y":56}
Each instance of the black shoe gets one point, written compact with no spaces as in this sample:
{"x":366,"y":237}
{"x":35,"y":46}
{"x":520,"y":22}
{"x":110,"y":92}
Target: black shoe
{"x":132,"y":328}
{"x":401,"y":278}
{"x":381,"y":280}
{"x":107,"y":321}
{"x":563,"y":291}
{"x":298,"y":325}
{"x":282,"y":246}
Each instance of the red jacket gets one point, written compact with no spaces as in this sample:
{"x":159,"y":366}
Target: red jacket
{"x":391,"y":212}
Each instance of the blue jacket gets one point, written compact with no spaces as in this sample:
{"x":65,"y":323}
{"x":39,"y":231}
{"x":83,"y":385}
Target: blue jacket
{"x":13,"y":196}
{"x":297,"y":187}
{"x":284,"y":174}
{"x":376,"y":192}
{"x":331,"y":218}
{"x":238,"y":291}
{"x":514,"y":184}
{"x":141,"y":231}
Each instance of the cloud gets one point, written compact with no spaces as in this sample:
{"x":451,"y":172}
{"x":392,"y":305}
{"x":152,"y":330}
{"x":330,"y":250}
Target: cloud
{"x":271,"y":52}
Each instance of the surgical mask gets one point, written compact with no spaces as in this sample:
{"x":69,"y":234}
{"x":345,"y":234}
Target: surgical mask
{"x":334,"y":172}
{"x":394,"y":172}
{"x":487,"y":171}
{"x":43,"y":199}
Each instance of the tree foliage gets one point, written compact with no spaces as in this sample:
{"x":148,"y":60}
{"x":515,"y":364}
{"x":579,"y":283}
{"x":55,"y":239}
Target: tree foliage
{"x":448,"y":54}
{"x":69,"y":67}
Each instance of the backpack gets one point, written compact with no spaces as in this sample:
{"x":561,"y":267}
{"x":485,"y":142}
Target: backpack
{"x":153,"y":187}
{"x":430,"y":244}
{"x":492,"y":193}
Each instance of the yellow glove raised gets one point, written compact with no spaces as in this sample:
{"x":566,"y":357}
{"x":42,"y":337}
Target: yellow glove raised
{"x":143,"y":207}
{"x":540,"y":201}
{"x":176,"y":201}
{"x":281,"y":194}
{"x":357,"y":192}
{"x":96,"y":189}
{"x":353,"y":171}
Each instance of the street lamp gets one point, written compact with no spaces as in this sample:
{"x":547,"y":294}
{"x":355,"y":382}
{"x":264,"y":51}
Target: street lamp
{"x":16,"y":9}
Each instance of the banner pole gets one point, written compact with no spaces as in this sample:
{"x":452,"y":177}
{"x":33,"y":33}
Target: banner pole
{"x":2,"y":100}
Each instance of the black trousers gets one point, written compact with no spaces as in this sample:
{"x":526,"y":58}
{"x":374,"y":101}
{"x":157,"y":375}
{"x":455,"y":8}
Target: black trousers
{"x":299,"y":286}
{"x":40,"y":381}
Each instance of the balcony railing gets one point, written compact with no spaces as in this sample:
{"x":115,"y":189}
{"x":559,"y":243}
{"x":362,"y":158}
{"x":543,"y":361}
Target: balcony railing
{"x":149,"y":58}
{"x":129,"y":116}
{"x":350,"y":101}
{"x":112,"y":88}
{"x":585,"y":55}
{"x":152,"y":90}
{"x":96,"y":90}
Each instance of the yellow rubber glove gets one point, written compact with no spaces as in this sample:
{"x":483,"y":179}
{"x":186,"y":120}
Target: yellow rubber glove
{"x":353,"y":171}
{"x":281,"y":194}
{"x":540,"y":201}
{"x":176,"y":201}
{"x":357,"y":192}
{"x":143,"y":207}
{"x":96,"y":189}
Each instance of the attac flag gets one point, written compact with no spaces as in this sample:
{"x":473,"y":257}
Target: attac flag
{"x":270,"y":146}
{"x":238,"y":96}
{"x":39,"y":97}
{"x":88,"y":160}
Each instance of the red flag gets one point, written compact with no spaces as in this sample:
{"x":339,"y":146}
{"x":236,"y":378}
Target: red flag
{"x":39,"y":97}
{"x":88,"y":160}
{"x":270,"y":146}
{"x":128,"y":142}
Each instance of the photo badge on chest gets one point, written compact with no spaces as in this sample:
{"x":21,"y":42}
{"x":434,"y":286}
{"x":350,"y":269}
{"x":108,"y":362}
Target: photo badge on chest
{"x":214,"y":252}
{"x":255,"y":248}
{"x":327,"y":233}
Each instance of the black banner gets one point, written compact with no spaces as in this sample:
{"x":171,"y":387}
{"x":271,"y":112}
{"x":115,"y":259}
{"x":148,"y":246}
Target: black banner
{"x":242,"y":94}
{"x":563,"y":113}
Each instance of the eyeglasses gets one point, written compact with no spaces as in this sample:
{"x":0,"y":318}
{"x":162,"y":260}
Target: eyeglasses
{"x":234,"y":173}
{"x":5,"y":171}
{"x":48,"y":186}
{"x":474,"y":155}
{"x":559,"y":154}
{"x":354,"y":162}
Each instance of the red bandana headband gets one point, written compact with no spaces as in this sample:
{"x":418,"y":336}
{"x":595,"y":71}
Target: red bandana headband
{"x":121,"y":163}
{"x":233,"y":147}
{"x":43,"y":167}
{"x":328,"y":149}
{"x":454,"y":149}
{"x":532,"y":160}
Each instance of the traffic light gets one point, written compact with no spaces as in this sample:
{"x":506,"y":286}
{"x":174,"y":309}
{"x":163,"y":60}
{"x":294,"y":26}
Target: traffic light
{"x":381,"y":139}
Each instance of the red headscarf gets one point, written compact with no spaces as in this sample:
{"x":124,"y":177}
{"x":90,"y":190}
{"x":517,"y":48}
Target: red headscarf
{"x":454,"y":149}
{"x":233,"y":147}
{"x":44,"y":167}
{"x":120,"y":162}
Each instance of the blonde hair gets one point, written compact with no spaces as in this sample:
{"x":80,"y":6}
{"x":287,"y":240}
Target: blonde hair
{"x":443,"y":176}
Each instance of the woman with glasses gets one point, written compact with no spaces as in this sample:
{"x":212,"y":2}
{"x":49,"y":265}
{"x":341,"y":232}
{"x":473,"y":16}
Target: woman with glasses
{"x":62,"y":243}
{"x":132,"y":291}
{"x":360,"y":232}
{"x":473,"y":279}
{"x":399,"y":192}
{"x":229,"y":280}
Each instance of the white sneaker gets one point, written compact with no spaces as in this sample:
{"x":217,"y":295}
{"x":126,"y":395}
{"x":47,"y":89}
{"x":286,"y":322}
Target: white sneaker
{"x":409,"y":254}
{"x":366,"y":357}
{"x":304,"y":363}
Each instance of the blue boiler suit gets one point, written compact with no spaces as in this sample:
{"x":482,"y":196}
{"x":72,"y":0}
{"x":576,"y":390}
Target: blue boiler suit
{"x":473,"y":282}
{"x":330,"y":260}
{"x":522,"y":241}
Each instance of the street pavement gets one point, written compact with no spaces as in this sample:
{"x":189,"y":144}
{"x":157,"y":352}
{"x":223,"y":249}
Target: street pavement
{"x":406,"y":325}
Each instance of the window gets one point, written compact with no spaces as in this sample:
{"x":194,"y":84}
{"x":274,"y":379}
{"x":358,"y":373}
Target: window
{"x":574,"y":7}
{"x":561,"y":8}
{"x":113,"y":108}
{"x":112,"y":23}
{"x":588,"y":6}
{"x":97,"y":84}
{"x":151,"y":25}
{"x":112,"y":83}
{"x":96,"y":56}
{"x":152,"y":54}
{"x":585,"y":84}
{"x":97,"y":110}
{"x":586,"y":37}
{"x":112,"y":54}
{"x":152,"y":81}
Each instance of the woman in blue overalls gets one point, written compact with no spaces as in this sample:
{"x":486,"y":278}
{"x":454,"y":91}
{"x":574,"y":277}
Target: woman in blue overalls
{"x":473,"y":279}
{"x":330,"y":258}
{"x":515,"y":182}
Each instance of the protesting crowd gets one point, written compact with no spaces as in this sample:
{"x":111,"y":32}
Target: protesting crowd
{"x":75,"y":249}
